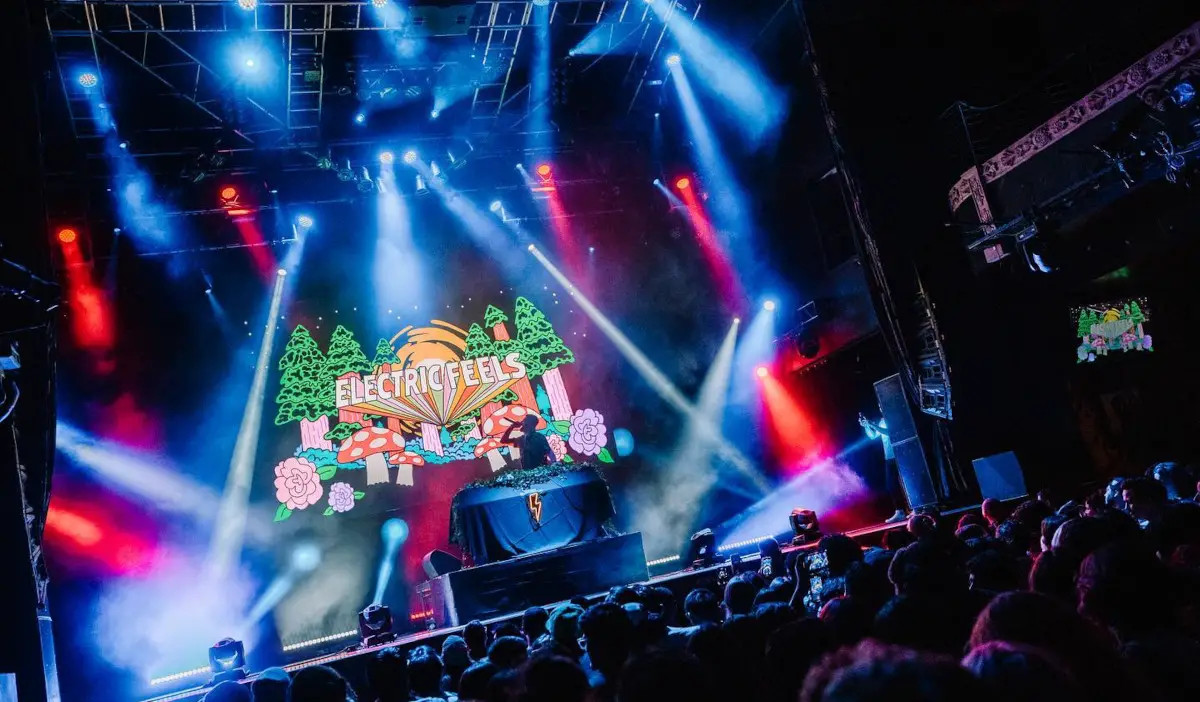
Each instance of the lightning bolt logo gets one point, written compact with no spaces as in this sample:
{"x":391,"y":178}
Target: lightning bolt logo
{"x":534,"y":502}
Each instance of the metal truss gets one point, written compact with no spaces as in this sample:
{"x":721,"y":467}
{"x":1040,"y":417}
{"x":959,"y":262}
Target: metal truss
{"x":155,"y":37}
{"x":190,"y":16}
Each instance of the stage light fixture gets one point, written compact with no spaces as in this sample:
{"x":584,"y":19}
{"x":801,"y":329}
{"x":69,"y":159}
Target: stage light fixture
{"x":87,"y":79}
{"x":808,"y":344}
{"x":227,"y":660}
{"x":208,"y":291}
{"x":541,"y":3}
{"x":410,"y":157}
{"x":394,"y":530}
{"x":305,"y":557}
{"x":683,"y":183}
{"x":123,"y":145}
{"x":229,"y":193}
{"x":673,"y":59}
{"x":360,"y":117}
{"x":433,"y":114}
{"x":379,"y":3}
{"x":805,"y":527}
{"x":762,"y":371}
{"x":702,"y":549}
{"x":769,"y":305}
{"x":656,"y":181}
{"x":304,"y":222}
{"x":375,"y":625}
{"x":247,"y":4}
{"x":282,"y":271}
{"x":387,"y":157}
{"x":249,"y":62}
{"x":67,"y":235}
{"x":496,"y":206}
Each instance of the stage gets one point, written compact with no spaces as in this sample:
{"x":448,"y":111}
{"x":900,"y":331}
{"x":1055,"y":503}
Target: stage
{"x":351,"y":662}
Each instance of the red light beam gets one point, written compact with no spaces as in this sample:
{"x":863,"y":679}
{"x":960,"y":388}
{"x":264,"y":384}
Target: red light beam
{"x":717,"y":258}
{"x":795,"y":439}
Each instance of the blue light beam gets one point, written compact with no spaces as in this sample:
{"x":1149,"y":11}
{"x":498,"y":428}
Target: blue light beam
{"x":706,"y":427}
{"x":732,"y":76}
{"x":226,"y":545}
{"x":726,"y":196}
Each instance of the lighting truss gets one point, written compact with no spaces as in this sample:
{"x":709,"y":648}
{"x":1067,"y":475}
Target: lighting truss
{"x":155,"y":37}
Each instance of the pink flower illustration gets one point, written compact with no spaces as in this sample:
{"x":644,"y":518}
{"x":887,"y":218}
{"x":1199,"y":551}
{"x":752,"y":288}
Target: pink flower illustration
{"x":558,"y":446}
{"x":341,"y":497}
{"x":588,"y":433}
{"x":297,"y":484}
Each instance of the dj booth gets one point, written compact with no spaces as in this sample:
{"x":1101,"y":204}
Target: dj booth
{"x":536,"y":579}
{"x":526,"y":511}
{"x":536,"y":537}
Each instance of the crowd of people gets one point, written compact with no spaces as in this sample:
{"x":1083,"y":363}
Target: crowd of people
{"x":1097,"y":599}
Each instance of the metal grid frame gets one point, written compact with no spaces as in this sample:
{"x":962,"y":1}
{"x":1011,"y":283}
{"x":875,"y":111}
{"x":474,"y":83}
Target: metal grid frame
{"x":154,"y":36}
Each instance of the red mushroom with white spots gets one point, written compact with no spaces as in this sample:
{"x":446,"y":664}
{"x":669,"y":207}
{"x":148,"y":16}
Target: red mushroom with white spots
{"x":499,"y":421}
{"x":370,"y":444}
{"x":490,"y":445}
{"x":405,"y":461}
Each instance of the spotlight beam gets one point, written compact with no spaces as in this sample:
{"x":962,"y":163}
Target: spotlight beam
{"x":396,"y":268}
{"x":726,"y":193}
{"x":744,"y":88}
{"x":478,"y":223}
{"x":393,"y":538}
{"x":539,"y":81}
{"x":715,"y":255}
{"x":226,"y":544}
{"x":708,"y":431}
{"x":672,"y":198}
{"x":671,"y":504}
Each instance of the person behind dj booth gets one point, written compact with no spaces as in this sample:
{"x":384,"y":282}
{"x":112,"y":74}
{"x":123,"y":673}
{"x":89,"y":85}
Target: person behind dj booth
{"x":535,"y":449}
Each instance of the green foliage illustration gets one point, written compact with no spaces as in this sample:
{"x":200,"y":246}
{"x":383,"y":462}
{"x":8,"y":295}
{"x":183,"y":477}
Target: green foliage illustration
{"x":300,"y":388}
{"x":542,"y":349}
{"x":345,"y":356}
{"x":494,"y":315}
{"x":1135,"y":313}
{"x":479,"y":344}
{"x":384,"y":353}
{"x":342,"y":431}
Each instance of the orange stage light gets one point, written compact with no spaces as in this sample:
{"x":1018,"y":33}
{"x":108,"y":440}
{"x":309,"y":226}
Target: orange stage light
{"x":229,"y":193}
{"x":66,"y":235}
{"x":543,"y":170}
{"x":683,"y":183}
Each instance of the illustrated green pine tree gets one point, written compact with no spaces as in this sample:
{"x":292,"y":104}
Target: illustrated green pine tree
{"x":542,"y":348}
{"x":494,"y":315}
{"x":345,"y":356}
{"x":1084,"y":327}
{"x":384,"y":353}
{"x":1135,"y":313}
{"x":479,"y":344}
{"x":303,"y":366}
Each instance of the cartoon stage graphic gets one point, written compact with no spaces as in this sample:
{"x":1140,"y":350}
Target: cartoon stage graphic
{"x":431,"y":395}
{"x":1117,"y":327}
